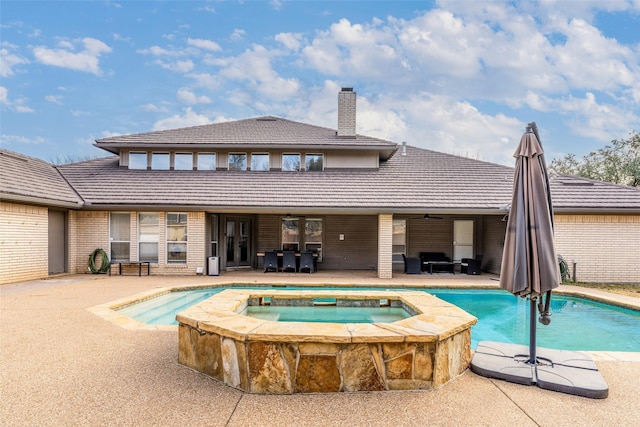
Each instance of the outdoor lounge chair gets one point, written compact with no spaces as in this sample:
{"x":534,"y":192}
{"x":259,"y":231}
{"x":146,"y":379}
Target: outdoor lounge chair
{"x":306,"y":261}
{"x":289,"y":261}
{"x":471,"y":265}
{"x":270,"y":261}
{"x":411,"y":265}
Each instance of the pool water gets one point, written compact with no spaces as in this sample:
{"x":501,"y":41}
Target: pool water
{"x":328,"y":314}
{"x":576,"y":323}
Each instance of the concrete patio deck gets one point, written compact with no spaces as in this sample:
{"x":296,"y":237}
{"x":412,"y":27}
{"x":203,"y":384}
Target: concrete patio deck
{"x":62,"y":365}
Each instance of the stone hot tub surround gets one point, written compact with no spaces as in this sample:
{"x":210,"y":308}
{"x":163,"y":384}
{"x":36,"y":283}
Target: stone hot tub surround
{"x":424,"y":351}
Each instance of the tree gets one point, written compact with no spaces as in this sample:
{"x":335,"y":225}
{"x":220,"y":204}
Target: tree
{"x":618,"y":163}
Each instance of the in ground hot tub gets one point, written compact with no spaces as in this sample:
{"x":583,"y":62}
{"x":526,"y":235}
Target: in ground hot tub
{"x":422,"y":351}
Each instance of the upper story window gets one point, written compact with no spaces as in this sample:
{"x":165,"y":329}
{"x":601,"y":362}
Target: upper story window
{"x":314,"y":162}
{"x":259,"y":161}
{"x":206,"y":161}
{"x":237,"y":161}
{"x":291,"y":162}
{"x":138,"y":160}
{"x":160,"y":161}
{"x":183,"y":161}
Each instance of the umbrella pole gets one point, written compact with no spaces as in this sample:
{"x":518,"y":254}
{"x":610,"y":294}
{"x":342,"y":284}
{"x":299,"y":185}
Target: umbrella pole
{"x":532,"y":331}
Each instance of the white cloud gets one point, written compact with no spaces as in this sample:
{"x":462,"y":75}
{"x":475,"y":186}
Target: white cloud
{"x":107,"y":134}
{"x":8,"y":61}
{"x":291,"y":41}
{"x":18,"y":105}
{"x":54,"y":99}
{"x":589,"y":60}
{"x":238,"y":34}
{"x":21,"y":140}
{"x":177,"y":66}
{"x":189,"y":118}
{"x":207,"y":81}
{"x":86,"y":60}
{"x":160,"y":51}
{"x":440,"y":123}
{"x":254,"y":68}
{"x":275,"y":4}
{"x":591,"y":119}
{"x":204,"y":44}
{"x":185,"y":95}
{"x":153,"y":108}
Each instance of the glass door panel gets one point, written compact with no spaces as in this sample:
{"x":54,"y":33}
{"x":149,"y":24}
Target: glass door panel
{"x":231,"y":243}
{"x":238,"y":242}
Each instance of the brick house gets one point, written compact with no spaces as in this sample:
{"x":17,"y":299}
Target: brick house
{"x":231,"y":190}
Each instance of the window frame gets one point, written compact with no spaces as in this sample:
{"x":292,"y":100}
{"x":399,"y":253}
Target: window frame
{"x":244,"y":166}
{"x":260,"y":155}
{"x":286,"y":244}
{"x":141,"y":154}
{"x":207,"y":154}
{"x":157,"y":155}
{"x":113,"y":240}
{"x":316,"y":246}
{"x":399,"y":248}
{"x":306,"y":162}
{"x":149,"y":241}
{"x":175,"y":242}
{"x":179,"y":155}
{"x":284,"y":163}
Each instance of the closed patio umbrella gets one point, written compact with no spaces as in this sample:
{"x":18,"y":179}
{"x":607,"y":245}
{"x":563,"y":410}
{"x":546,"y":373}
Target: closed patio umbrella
{"x":530,"y":269}
{"x":529,"y":261}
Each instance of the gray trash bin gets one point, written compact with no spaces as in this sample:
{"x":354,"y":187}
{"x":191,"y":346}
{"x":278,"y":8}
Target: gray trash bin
{"x":213,"y":266}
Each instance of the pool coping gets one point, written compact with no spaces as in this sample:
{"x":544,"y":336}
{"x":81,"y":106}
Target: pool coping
{"x":433,"y":319}
{"x":108,"y":311}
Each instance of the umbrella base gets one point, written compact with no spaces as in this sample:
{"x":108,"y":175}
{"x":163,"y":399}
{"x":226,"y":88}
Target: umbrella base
{"x":557,"y":370}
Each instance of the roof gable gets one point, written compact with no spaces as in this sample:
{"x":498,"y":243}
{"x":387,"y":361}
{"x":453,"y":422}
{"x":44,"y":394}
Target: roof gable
{"x":31,"y":180}
{"x":261,"y":132}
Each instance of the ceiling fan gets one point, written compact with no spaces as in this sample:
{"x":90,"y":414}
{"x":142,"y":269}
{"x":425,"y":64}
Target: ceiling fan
{"x":427,"y":216}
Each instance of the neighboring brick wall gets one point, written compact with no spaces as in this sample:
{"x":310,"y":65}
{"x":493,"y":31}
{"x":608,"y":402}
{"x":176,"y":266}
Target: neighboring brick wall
{"x":24,"y":235}
{"x":385,"y":246}
{"x":606,"y":247}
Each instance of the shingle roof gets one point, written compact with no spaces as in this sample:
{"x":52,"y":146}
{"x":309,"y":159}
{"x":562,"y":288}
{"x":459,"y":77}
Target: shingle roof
{"x":421,"y":181}
{"x":32,"y":180}
{"x":273,"y":132}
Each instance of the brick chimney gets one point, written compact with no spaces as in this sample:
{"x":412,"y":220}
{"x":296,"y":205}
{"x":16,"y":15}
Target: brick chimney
{"x":347,"y":113}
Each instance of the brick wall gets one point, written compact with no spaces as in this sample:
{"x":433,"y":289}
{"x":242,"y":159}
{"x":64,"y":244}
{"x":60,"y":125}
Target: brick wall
{"x":24,"y":235}
{"x":606,"y":247}
{"x":92,"y":232}
{"x":385,"y":246}
{"x":346,"y":113}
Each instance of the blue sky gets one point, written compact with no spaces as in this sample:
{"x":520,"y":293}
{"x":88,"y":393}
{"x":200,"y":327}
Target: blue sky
{"x":462,"y":77}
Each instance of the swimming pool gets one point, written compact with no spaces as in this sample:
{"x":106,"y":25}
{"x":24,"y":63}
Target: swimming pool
{"x":577,"y":323}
